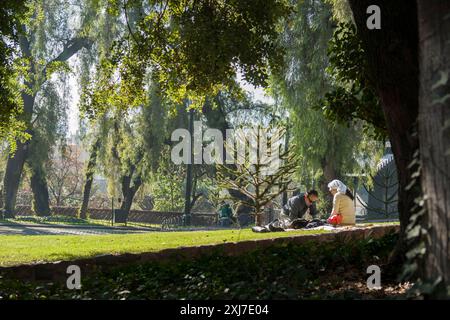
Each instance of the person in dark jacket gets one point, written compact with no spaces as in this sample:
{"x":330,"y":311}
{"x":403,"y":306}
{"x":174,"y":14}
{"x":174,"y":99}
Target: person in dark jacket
{"x":293,"y":211}
{"x":297,"y":206}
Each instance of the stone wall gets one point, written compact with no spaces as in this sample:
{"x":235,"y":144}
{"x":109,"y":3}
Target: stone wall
{"x":57,"y":271}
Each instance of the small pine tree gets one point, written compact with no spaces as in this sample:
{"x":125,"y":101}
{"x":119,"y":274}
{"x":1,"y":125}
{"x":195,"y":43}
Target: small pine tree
{"x":257,"y":178}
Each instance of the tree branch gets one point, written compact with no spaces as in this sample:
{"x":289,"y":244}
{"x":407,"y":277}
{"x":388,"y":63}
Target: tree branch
{"x":70,"y":48}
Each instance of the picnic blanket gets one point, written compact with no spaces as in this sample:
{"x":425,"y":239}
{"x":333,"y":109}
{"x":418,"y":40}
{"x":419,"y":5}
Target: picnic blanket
{"x":287,"y":225}
{"x":324,"y":227}
{"x":330,"y":228}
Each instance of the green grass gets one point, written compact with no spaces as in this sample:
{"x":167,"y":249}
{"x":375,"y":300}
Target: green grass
{"x":128,"y":224}
{"x":329,"y":270}
{"x":18,"y":249}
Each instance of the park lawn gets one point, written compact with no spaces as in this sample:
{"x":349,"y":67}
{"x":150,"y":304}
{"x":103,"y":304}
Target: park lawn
{"x":19,"y":249}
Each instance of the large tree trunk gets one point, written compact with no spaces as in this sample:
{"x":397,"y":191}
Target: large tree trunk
{"x":329,"y":174}
{"x":15,"y":163}
{"x":434,"y":131}
{"x":130,"y":185}
{"x":14,"y":168}
{"x":40,"y":191}
{"x":258,"y":219}
{"x":36,"y":158}
{"x":82,"y":213}
{"x":392,"y":57}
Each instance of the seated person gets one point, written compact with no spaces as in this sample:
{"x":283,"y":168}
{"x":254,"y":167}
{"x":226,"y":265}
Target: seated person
{"x":343,"y":212}
{"x":225,"y":215}
{"x":292,"y":213}
{"x":297,"y":206}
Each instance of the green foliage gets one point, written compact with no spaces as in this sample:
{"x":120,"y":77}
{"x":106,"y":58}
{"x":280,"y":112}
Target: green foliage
{"x":341,"y":10}
{"x":11,"y":126}
{"x":152,"y":126}
{"x":132,"y":142}
{"x":193,"y":49}
{"x":168,"y":185}
{"x":260,"y":179}
{"x":107,"y":90}
{"x":50,"y":124}
{"x":57,"y":66}
{"x":327,"y":149}
{"x":354,"y":97}
{"x":124,"y":156}
{"x":417,"y":241}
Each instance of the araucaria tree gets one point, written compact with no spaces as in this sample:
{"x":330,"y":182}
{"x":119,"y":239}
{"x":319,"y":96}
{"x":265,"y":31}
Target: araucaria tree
{"x":261,"y":175}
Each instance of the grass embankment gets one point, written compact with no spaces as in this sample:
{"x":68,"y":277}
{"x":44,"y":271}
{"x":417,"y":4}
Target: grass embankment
{"x":18,"y":249}
{"x":308,"y":271}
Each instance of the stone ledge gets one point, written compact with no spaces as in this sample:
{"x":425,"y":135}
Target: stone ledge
{"x":56,"y":271}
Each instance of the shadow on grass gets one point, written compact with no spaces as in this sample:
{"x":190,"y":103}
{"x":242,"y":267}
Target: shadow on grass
{"x":51,"y":220}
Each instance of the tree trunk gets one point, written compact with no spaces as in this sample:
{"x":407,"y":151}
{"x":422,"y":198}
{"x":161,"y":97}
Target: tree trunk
{"x":129,"y":191}
{"x":392,"y":57}
{"x":36,"y":157}
{"x":329,"y":174}
{"x":128,"y":199}
{"x":14,"y":168}
{"x":258,"y":219}
{"x":15,"y":163}
{"x":40,"y":191}
{"x":434,"y":131}
{"x":82,"y":213}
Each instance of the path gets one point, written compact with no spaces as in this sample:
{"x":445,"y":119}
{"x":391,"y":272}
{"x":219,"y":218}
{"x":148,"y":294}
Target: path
{"x":29,"y":229}
{"x":43,"y":229}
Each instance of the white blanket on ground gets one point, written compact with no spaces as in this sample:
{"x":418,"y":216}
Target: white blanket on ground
{"x":327,"y":228}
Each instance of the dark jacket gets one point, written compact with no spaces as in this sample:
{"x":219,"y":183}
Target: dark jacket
{"x":296,"y":207}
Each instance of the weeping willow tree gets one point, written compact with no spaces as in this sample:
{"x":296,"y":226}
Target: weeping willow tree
{"x":49,"y":126}
{"x":94,"y":132}
{"x":52,"y":33}
{"x":142,"y":146}
{"x":127,"y":148}
{"x":327,"y":150}
{"x":95,"y":138}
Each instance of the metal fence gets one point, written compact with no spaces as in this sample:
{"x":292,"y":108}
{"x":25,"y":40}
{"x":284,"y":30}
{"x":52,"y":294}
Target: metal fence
{"x":138,"y":216}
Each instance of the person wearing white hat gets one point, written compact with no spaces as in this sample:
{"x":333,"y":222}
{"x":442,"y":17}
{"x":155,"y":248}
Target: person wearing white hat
{"x":344,"y":212}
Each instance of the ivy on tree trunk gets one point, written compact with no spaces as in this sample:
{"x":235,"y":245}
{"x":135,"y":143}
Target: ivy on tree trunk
{"x":392,"y":57}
